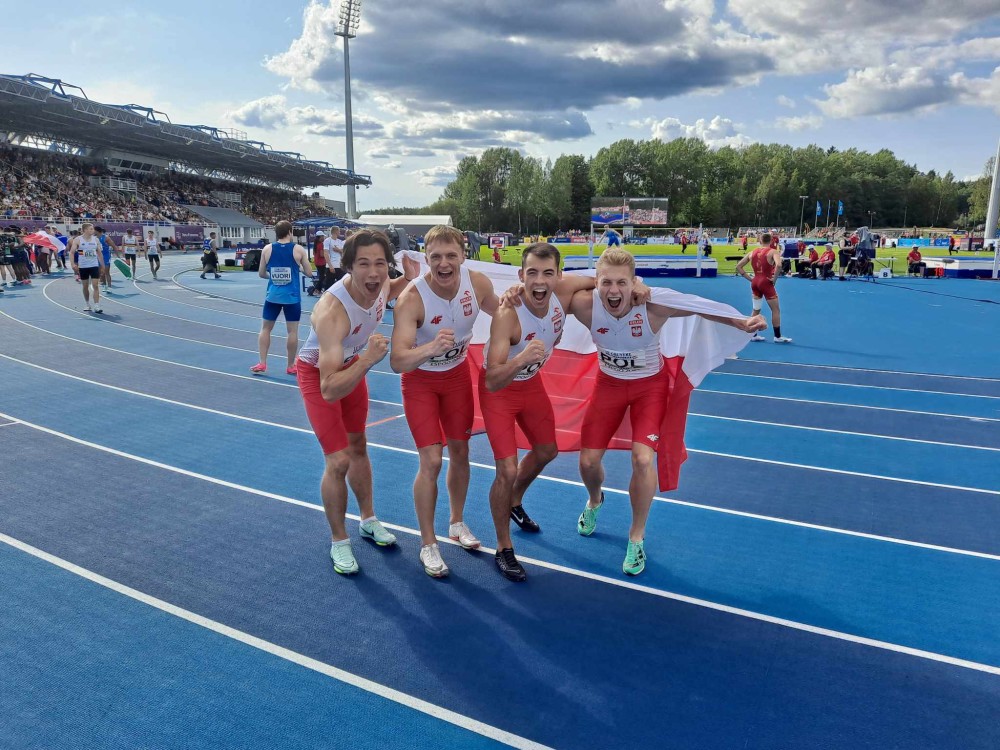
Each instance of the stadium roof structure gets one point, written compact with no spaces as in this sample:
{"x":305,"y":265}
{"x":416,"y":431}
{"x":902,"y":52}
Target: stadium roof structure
{"x":49,"y":108}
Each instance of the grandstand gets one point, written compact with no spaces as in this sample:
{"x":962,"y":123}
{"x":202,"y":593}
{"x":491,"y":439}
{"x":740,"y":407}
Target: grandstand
{"x":65,"y":158}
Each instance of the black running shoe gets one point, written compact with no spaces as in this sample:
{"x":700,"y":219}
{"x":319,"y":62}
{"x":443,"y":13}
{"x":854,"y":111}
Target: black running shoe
{"x":522,"y":519}
{"x":509,"y":566}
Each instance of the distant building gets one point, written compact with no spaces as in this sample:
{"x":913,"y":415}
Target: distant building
{"x":415,"y":226}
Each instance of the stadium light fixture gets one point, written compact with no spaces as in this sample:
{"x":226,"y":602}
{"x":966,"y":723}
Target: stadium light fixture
{"x":347,"y":27}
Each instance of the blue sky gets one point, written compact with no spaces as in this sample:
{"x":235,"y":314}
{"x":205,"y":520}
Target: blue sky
{"x":438,"y":80}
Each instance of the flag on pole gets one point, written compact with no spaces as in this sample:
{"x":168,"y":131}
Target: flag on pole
{"x":819,"y":208}
{"x":840,"y":208}
{"x":691,"y":346}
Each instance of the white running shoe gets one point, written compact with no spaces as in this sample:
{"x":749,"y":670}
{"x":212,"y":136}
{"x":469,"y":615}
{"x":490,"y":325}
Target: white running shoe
{"x":374,"y":530}
{"x":88,"y":308}
{"x":430,"y":558}
{"x":98,"y":309}
{"x":343,"y":558}
{"x":757,"y":337}
{"x":782,"y":340}
{"x":459,"y":532}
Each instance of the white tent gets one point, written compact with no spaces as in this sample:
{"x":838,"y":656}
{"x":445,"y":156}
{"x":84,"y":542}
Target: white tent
{"x":415,"y":225}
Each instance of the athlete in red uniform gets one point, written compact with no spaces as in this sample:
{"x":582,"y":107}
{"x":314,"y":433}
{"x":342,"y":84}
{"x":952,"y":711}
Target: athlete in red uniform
{"x":342,"y":346}
{"x":632,"y":376}
{"x":522,"y":337}
{"x":432,"y":328}
{"x":765,"y":261}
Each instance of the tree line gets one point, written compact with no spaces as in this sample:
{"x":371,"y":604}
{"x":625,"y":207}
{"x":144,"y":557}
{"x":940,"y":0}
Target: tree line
{"x":756,"y":185}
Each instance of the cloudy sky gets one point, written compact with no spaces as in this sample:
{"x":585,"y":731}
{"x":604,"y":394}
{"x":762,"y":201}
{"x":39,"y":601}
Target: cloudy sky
{"x":440,"y":79}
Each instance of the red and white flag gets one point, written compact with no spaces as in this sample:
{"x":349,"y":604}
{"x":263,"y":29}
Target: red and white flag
{"x":692,"y":347}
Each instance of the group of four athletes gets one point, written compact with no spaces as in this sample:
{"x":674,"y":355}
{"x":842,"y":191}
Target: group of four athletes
{"x":432,"y":330}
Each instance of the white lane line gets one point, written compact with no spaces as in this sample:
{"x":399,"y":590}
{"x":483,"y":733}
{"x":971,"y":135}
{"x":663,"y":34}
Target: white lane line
{"x":545,"y":477}
{"x":867,"y":369}
{"x":848,"y":385}
{"x":844,"y":432}
{"x":885,"y":645}
{"x":348,"y":678}
{"x":703,"y":389}
{"x":188,"y":320}
{"x":97,"y":316}
{"x":252,"y":378}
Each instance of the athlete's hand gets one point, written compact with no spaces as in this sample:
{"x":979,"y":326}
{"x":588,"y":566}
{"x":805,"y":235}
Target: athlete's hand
{"x":444,"y":341}
{"x":641,"y":294}
{"x":411,"y":268}
{"x":378,"y":347}
{"x":512,"y":296}
{"x":533,"y":353}
{"x":753,"y":324}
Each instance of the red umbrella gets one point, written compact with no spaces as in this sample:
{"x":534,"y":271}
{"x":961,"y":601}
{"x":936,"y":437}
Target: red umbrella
{"x":45,"y":240}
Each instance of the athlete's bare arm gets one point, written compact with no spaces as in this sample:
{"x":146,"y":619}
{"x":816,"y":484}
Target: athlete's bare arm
{"x":331,"y":323}
{"x":582,"y":307}
{"x":302,"y":258}
{"x":265,"y":256}
{"x":659,"y":314}
{"x":505,"y":331}
{"x":488,"y":300}
{"x":407,"y":317}
{"x":744,"y":261}
{"x":411,"y":270}
{"x":775,"y":257}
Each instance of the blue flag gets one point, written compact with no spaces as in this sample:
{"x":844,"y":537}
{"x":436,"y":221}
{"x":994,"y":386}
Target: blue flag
{"x":819,"y":208}
{"x":840,"y":208}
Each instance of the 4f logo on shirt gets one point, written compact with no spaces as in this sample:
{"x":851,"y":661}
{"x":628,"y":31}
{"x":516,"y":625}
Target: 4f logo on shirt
{"x":652,"y":438}
{"x":435,"y":320}
{"x":602,"y":331}
{"x":357,"y":330}
{"x":530,"y":336}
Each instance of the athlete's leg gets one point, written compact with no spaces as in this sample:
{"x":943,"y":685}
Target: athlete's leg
{"x":500,"y":499}
{"x":530,"y":467}
{"x":592,"y":473}
{"x":457,"y":479}
{"x":96,"y":288}
{"x":641,"y":489}
{"x":359,"y":475}
{"x":292,"y":342}
{"x":775,"y":313}
{"x":425,"y":490}
{"x":86,"y":291}
{"x":264,"y":340}
{"x":333,"y":489}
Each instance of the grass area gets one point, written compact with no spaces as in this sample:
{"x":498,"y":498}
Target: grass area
{"x":512,"y":255}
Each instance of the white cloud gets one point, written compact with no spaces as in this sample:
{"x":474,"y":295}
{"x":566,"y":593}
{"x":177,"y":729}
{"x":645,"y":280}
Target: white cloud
{"x":435,"y":176}
{"x":716,"y":133}
{"x":394,"y":164}
{"x":271,"y":112}
{"x":805,"y":122}
{"x":785,"y":101}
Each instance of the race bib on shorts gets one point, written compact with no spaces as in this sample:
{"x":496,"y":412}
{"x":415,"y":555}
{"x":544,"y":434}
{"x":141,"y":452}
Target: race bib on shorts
{"x":619,"y":362}
{"x":281,"y":276}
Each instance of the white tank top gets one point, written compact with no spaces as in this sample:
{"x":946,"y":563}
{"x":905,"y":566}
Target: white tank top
{"x":151,"y":247}
{"x":458,"y":314}
{"x":130,"y":243}
{"x":627,"y":348}
{"x":87,"y":252}
{"x":363,"y":323}
{"x":546,"y":329}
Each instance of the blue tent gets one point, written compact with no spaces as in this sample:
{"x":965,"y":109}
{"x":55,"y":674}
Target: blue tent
{"x":326,"y":223}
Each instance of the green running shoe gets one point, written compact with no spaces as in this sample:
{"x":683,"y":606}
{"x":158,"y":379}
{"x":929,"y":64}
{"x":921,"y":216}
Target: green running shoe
{"x":635,"y":558}
{"x":343,"y":558}
{"x":588,"y":519}
{"x":374,"y":530}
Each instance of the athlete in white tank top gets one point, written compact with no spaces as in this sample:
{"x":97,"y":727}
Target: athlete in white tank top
{"x":546,"y":329}
{"x":458,"y":314}
{"x":627,"y":347}
{"x":364,"y":322}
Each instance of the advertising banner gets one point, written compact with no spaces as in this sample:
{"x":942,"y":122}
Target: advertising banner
{"x":635,"y":212}
{"x":186,"y":234}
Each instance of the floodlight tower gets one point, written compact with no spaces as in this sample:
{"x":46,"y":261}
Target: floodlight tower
{"x":347,"y":27}
{"x":802,"y":212}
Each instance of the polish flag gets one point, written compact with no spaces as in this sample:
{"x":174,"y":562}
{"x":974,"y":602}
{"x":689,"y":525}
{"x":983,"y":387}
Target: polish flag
{"x":691,"y":346}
